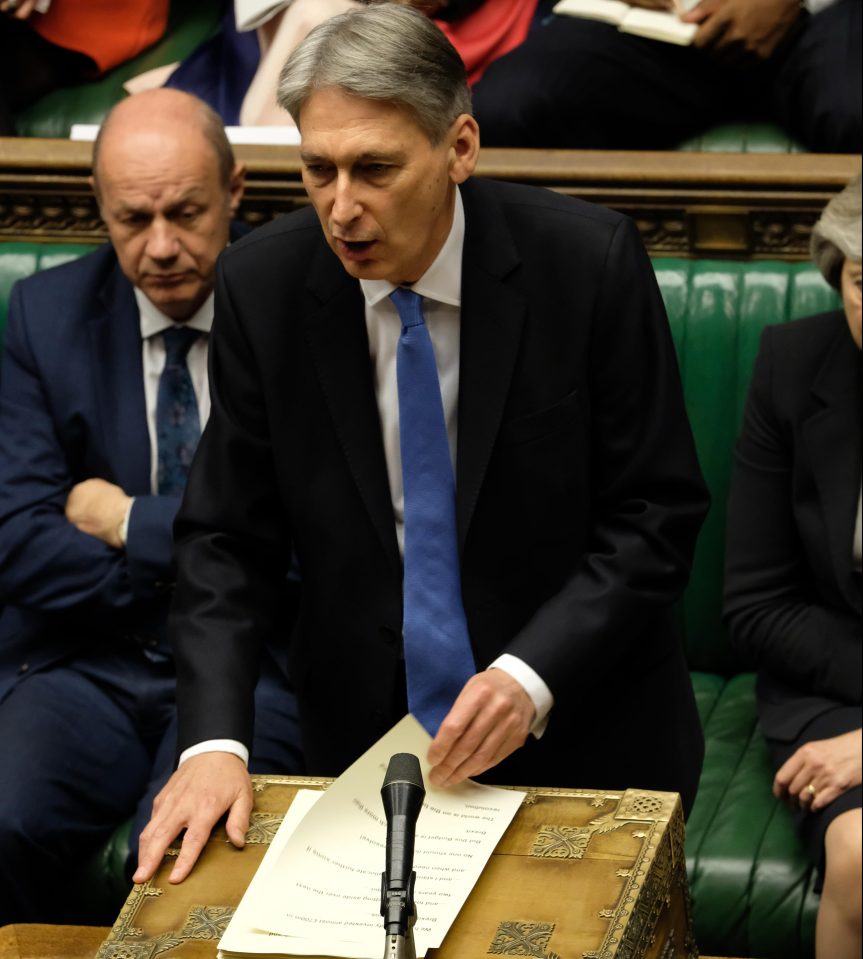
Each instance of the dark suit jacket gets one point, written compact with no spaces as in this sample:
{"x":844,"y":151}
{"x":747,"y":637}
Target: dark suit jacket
{"x":791,"y":598}
{"x":72,"y":408}
{"x":579,"y":496}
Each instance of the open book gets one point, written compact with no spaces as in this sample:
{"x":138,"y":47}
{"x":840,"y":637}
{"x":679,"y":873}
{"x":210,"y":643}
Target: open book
{"x":662,"y":25}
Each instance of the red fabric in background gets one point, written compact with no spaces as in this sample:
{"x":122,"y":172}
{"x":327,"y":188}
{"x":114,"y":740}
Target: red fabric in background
{"x":492,"y":30}
{"x":107,"y":31}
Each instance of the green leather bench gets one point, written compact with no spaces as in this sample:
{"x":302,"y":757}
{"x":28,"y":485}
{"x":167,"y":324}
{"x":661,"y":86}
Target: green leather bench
{"x":750,"y":882}
{"x":749,"y":878}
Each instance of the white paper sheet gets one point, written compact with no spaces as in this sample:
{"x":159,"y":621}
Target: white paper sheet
{"x":319,"y":887}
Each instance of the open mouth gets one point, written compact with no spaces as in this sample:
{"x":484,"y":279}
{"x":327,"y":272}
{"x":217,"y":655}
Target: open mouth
{"x":354,"y":248}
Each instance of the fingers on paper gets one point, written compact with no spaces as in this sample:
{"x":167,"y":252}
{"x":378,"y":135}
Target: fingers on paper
{"x":490,"y":719}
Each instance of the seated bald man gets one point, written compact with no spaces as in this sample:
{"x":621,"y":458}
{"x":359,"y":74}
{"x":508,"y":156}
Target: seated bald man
{"x":103,"y":396}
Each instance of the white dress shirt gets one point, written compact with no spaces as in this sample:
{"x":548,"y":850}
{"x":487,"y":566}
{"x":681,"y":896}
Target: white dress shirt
{"x":440,"y":287}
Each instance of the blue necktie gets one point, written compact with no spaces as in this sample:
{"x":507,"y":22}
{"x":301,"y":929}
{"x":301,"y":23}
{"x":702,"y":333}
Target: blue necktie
{"x":438,"y":655}
{"x":178,"y":426}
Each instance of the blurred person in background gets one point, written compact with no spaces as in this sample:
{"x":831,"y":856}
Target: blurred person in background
{"x":580,"y":83}
{"x":47,"y":44}
{"x":237,"y":71}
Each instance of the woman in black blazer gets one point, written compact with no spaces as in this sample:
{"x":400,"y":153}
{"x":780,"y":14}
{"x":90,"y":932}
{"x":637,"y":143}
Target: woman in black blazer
{"x":792,"y":587}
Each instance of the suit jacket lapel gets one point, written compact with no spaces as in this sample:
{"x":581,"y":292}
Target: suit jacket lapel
{"x":492,"y":315}
{"x":338,"y":340}
{"x":832,"y":436}
{"x":115,"y":341}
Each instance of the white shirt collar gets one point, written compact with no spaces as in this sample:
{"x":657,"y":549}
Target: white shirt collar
{"x":154,"y":321}
{"x":442,"y":280}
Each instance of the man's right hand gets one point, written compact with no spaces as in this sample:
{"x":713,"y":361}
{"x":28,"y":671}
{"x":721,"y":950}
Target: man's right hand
{"x":97,"y":508}
{"x":194,"y":799}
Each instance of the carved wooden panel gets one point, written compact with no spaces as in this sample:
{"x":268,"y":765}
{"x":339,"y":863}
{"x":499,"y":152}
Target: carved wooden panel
{"x":685,"y":204}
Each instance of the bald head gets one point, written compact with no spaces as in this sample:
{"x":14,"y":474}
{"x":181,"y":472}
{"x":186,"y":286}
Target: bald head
{"x":167,"y":186}
{"x":162,"y":114}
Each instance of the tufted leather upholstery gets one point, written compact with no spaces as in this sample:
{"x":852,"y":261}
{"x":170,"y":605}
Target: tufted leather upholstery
{"x":750,"y":880}
{"x":716,"y":310}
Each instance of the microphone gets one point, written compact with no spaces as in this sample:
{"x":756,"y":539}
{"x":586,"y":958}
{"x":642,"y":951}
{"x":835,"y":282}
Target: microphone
{"x":402,"y":793}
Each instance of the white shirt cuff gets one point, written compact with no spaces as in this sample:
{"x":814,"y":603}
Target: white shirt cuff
{"x":123,"y":528}
{"x":216,"y":746}
{"x":533,"y":684}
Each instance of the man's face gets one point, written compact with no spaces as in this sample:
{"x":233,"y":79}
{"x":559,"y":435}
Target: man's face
{"x":167,"y":213}
{"x":383,"y":193}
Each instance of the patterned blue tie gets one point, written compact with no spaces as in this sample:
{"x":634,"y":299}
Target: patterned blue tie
{"x":178,"y":426}
{"x":438,"y":655}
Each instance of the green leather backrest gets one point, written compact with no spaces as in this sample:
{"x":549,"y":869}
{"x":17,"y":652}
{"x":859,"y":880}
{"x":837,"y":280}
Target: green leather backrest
{"x":716,"y":310}
{"x":190,"y":23}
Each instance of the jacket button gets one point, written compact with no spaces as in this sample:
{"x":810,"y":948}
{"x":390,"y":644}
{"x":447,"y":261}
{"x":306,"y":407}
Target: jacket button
{"x":23,"y":667}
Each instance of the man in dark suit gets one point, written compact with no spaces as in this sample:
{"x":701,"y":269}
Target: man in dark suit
{"x":578,"y":496}
{"x":88,"y":494}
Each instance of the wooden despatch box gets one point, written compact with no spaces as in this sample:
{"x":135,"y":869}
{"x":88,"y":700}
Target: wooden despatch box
{"x":579,"y":874}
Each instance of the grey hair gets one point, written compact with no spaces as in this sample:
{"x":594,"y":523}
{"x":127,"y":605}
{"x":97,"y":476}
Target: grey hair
{"x":386,"y":52}
{"x":836,"y":235}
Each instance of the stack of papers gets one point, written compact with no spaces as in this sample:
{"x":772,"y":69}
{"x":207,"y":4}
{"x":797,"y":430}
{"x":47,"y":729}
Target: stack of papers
{"x":317,"y":891}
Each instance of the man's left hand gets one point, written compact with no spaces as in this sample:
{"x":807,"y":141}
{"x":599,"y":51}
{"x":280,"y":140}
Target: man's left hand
{"x":97,"y":508}
{"x":490,"y":719}
{"x":754,"y":27}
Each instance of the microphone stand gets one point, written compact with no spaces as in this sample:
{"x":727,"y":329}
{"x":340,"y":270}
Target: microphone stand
{"x":402,"y":795}
{"x":400,"y":944}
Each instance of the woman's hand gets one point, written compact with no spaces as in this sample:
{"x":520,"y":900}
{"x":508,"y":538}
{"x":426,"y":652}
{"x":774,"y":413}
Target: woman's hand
{"x":820,"y":771}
